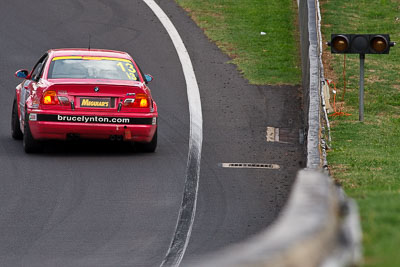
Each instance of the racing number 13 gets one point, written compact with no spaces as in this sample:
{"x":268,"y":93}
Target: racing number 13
{"x":129,"y":70}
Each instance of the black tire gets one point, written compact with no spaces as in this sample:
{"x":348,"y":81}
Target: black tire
{"x":16,"y":132}
{"x":148,"y":147}
{"x":29,"y":143}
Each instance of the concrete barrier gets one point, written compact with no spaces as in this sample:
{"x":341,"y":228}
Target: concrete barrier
{"x":318,"y":227}
{"x":303,"y":235}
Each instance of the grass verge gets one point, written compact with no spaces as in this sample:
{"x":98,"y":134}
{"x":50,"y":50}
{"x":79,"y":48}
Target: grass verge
{"x":365,"y":156}
{"x":236,"y":26}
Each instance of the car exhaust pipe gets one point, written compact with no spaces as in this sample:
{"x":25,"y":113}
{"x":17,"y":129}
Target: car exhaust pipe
{"x":112,"y":137}
{"x":119,"y":137}
{"x":73,"y":136}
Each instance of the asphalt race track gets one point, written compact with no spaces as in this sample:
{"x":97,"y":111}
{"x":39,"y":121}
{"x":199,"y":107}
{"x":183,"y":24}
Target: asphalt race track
{"x":99,"y":203}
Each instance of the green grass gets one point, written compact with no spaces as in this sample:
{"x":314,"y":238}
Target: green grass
{"x":235,"y":26}
{"x":365,"y":156}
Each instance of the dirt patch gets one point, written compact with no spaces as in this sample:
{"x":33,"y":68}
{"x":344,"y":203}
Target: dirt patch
{"x":326,"y":55}
{"x":396,"y":86}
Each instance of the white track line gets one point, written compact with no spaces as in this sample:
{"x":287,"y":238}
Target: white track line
{"x":187,"y":211}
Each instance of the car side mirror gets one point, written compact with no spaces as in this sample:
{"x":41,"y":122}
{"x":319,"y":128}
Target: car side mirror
{"x":22,"y":74}
{"x":148,"y":78}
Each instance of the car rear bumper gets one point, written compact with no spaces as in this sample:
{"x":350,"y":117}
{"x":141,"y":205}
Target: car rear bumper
{"x":136,"y":127}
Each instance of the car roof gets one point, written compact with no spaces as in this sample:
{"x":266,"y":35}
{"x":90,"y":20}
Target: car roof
{"x":88,"y":52}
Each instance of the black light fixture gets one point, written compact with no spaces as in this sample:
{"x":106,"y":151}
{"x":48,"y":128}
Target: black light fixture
{"x":360,"y":44}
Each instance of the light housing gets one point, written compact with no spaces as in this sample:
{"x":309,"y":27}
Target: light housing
{"x":379,"y":44}
{"x":50,"y":98}
{"x":63,"y":100}
{"x":360,"y":43}
{"x":340,"y":44}
{"x":140,"y":101}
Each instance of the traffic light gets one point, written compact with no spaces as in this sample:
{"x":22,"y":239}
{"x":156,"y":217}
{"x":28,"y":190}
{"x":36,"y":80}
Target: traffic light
{"x":360,"y":43}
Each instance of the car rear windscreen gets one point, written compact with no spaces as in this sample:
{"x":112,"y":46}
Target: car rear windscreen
{"x":81,"y":67}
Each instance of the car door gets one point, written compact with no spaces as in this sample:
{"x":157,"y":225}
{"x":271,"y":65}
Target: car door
{"x":29,"y":85}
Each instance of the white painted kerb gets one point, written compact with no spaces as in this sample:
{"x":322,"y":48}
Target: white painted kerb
{"x":195,"y":137}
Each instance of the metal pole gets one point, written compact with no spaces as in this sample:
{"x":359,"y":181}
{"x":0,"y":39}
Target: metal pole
{"x":361,"y":96}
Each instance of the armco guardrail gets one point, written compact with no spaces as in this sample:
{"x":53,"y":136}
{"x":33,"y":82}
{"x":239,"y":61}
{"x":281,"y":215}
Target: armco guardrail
{"x":319,"y":226}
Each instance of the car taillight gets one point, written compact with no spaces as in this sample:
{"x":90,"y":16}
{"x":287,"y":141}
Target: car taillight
{"x":140,"y":101}
{"x":64,"y":100}
{"x":50,"y":98}
{"x":144,"y":103}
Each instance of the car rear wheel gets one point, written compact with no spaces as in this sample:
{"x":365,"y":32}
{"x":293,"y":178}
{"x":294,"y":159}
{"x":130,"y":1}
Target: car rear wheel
{"x":148,"y":147}
{"x":16,"y":132}
{"x":29,"y":143}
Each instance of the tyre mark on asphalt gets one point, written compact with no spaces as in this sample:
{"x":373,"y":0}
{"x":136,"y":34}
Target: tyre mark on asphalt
{"x":187,"y":210}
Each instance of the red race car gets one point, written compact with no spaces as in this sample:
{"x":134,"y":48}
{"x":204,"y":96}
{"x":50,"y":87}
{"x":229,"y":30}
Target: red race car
{"x":82,"y":93}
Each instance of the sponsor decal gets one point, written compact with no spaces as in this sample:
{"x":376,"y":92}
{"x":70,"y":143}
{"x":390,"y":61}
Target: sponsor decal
{"x":91,"y":58}
{"x":33,"y":117}
{"x":93,"y":119}
{"x":94,"y":103}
